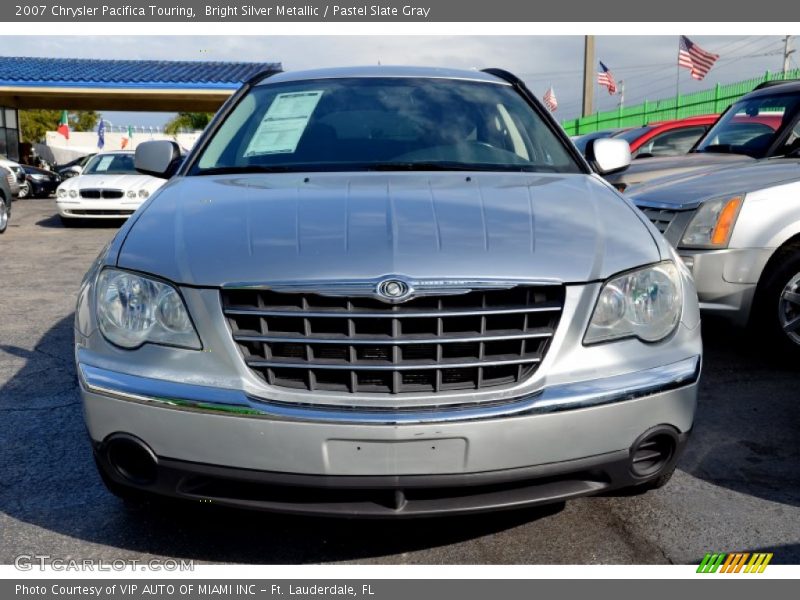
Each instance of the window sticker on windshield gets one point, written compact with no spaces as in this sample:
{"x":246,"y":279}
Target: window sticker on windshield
{"x":283,"y":124}
{"x":104,"y":163}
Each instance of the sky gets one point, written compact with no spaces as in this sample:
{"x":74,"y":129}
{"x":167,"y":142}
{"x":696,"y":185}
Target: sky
{"x":647,"y":64}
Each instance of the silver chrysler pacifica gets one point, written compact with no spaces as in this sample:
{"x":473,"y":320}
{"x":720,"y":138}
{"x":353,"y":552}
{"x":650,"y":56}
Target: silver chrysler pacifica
{"x":386,"y":292}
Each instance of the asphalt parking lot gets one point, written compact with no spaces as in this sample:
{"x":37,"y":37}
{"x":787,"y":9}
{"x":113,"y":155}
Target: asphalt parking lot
{"x":737,"y":487}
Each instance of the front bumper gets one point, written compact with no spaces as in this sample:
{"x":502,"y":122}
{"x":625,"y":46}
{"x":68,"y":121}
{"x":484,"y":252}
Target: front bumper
{"x":42,"y":188}
{"x":224,"y":447}
{"x":726,"y":280}
{"x":96,"y":209}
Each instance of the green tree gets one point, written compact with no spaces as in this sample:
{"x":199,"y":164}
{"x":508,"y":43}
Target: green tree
{"x":84,"y":120}
{"x":189,"y":121}
{"x":35,"y":123}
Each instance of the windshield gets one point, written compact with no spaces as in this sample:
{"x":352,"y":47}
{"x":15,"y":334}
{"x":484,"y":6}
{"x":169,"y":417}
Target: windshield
{"x":751,"y":126}
{"x":354,"y":124}
{"x":632,"y":135}
{"x":111,"y":164}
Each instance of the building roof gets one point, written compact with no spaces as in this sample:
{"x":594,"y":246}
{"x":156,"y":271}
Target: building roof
{"x":147,"y":85}
{"x":93,"y":73}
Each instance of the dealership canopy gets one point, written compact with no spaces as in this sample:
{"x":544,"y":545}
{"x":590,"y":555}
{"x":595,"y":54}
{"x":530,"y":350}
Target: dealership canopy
{"x":147,"y":85}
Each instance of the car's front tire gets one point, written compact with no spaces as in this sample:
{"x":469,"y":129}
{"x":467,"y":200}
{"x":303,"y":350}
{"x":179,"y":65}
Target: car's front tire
{"x":5,"y":211}
{"x":24,"y":190}
{"x":776,"y":315}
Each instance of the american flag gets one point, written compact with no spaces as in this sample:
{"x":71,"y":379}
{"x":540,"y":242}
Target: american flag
{"x":549,"y":100}
{"x":606,"y":79}
{"x":693,"y":57}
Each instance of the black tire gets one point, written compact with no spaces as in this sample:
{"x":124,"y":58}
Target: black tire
{"x":776,"y":312}
{"x":5,"y":213}
{"x":24,"y":190}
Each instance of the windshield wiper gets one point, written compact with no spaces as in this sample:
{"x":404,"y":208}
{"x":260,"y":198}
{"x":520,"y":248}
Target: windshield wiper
{"x":441,"y":166}
{"x":243,"y":169}
{"x":378,"y":166}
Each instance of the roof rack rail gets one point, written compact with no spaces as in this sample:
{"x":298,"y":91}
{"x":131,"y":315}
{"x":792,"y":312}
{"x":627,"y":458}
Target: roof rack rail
{"x":773,"y":83}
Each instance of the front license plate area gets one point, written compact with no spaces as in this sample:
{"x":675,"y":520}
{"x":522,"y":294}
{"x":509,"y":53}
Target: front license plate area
{"x":416,"y":457}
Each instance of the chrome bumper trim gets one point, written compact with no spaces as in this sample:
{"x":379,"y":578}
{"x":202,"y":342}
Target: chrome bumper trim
{"x":182,"y":396}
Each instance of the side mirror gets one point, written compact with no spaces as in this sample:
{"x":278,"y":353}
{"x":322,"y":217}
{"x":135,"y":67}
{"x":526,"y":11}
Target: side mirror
{"x":159,"y":158}
{"x":607,"y":155}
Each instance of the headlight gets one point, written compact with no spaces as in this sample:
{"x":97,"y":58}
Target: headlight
{"x":38,"y":177}
{"x":131,"y":194}
{"x":133,"y":310}
{"x":645,"y":303}
{"x":144,"y":194}
{"x":73,"y":193}
{"x":712,"y":225}
{"x":62,"y":193}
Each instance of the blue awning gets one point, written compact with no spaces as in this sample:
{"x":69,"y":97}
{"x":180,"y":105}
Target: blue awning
{"x":128,"y":74}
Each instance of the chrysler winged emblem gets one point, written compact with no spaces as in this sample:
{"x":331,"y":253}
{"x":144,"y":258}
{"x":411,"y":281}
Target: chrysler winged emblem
{"x":393,"y":290}
{"x":390,"y":288}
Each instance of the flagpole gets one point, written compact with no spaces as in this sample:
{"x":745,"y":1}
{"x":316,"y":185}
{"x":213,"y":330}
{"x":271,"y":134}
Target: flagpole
{"x":678,"y":77}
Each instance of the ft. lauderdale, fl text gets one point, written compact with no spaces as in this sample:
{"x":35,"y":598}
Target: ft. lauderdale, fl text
{"x":322,"y":590}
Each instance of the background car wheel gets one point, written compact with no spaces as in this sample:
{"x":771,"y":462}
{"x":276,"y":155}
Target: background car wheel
{"x":776,"y":316}
{"x":24,"y":190}
{"x":4,"y":213}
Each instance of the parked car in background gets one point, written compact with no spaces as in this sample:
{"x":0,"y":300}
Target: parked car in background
{"x":663,"y":138}
{"x":761,"y":124}
{"x":18,"y":175}
{"x":738,"y":230}
{"x":6,"y":197}
{"x":39,"y":183}
{"x":109,"y":188}
{"x":386,"y":292}
{"x":74,"y":167}
{"x":667,"y":138}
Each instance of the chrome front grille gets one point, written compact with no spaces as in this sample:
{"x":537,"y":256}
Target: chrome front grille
{"x":361,"y":345}
{"x":97,"y":194}
{"x":660,"y":217}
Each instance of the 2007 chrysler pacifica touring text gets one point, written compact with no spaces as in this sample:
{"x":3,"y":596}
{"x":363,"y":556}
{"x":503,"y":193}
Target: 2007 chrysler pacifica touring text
{"x":386,"y":291}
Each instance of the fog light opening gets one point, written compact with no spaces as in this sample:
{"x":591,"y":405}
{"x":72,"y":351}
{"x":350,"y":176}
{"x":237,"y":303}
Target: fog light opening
{"x":132,"y":459}
{"x":653,"y":452}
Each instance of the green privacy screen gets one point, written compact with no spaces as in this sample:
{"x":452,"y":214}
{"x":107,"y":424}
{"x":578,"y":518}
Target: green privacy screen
{"x":707,"y":102}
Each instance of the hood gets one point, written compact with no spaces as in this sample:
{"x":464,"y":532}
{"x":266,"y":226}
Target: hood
{"x":645,"y":169}
{"x":37,"y":171}
{"x":134,"y":181}
{"x":215,"y":230}
{"x":691,"y":189}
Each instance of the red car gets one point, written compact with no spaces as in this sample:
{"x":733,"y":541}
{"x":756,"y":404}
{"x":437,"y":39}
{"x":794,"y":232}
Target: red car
{"x":667,"y":138}
{"x":676,"y":137}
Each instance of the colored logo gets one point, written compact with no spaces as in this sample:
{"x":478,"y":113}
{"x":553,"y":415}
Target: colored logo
{"x":738,"y":562}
